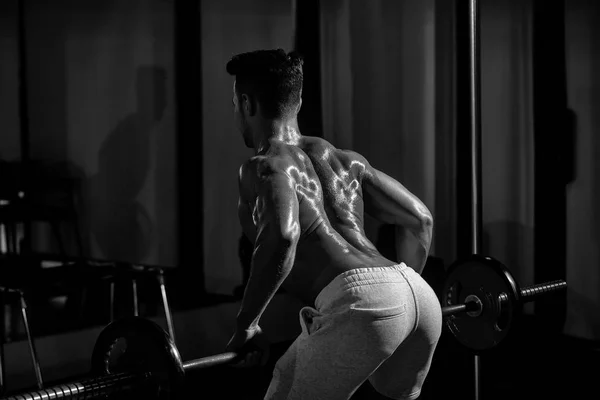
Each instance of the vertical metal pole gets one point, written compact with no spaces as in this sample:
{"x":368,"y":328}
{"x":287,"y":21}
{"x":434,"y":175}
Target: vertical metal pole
{"x":34,"y":357}
{"x":475,"y":91}
{"x":190,"y":167}
{"x":24,"y":126}
{"x":163,"y":292}
{"x":111,"y":312}
{"x":135,"y":297}
{"x":23,"y":94}
{"x":477,"y":376}
{"x":3,"y":298}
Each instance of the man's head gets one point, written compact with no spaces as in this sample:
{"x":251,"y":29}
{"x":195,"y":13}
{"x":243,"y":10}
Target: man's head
{"x":268,"y":85}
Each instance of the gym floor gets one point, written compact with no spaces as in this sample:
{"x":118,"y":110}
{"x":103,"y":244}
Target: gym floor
{"x":530,"y":364}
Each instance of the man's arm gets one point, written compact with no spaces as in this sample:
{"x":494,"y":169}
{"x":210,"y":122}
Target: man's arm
{"x":277,"y":234}
{"x":245,"y":187}
{"x":389,"y":201}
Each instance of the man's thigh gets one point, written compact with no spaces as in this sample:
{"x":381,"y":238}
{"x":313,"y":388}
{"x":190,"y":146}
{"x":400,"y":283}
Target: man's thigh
{"x":332,"y":358}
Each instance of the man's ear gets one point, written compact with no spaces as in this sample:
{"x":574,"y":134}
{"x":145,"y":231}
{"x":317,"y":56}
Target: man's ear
{"x":299,"y":106}
{"x":249,"y":105}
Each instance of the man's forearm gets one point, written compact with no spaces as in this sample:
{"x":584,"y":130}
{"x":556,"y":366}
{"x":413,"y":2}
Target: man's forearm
{"x":412,"y":248}
{"x":270,"y":266}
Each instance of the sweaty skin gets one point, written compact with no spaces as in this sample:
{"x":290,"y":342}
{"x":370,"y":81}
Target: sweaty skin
{"x":302,"y":204}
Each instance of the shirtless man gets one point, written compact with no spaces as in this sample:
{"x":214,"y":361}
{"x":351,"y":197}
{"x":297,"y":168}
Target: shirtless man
{"x":301,"y":204}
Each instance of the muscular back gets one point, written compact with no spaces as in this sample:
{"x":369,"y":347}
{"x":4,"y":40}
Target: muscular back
{"x":339,"y":174}
{"x":328,"y":186}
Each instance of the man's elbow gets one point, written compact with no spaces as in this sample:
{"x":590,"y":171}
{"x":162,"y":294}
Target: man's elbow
{"x":426,"y":228}
{"x":291,"y":234}
{"x":282,"y":241}
{"x":289,"y":240}
{"x":426,"y":222}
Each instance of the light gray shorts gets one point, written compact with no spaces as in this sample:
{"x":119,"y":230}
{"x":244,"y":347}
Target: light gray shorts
{"x":380,"y":323}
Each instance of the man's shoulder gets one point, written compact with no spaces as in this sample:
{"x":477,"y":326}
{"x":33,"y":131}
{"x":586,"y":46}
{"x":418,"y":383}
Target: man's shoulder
{"x":329,"y":150}
{"x":351,"y":155}
{"x":263,"y":166}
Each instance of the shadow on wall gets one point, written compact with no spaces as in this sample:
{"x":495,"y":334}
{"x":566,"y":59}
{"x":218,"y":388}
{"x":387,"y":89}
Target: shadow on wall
{"x":119,"y":223}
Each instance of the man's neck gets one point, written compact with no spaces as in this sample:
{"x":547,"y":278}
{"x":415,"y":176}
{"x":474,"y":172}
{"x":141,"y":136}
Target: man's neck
{"x":283,"y":130}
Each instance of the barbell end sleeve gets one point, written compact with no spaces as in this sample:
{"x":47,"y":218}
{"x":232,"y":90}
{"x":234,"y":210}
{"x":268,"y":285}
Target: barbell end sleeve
{"x":211,"y":361}
{"x":529,"y":293}
{"x":102,"y":387}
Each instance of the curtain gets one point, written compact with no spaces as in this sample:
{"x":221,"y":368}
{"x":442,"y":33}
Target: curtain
{"x":507,"y":135}
{"x":583,"y":195}
{"x":10,"y":148}
{"x":508,"y":151}
{"x":378,"y":88}
{"x":388,"y":92}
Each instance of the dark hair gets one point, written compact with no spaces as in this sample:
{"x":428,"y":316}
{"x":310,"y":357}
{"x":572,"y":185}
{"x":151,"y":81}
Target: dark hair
{"x":272,"y":76}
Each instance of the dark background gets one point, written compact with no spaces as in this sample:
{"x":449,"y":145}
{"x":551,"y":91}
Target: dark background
{"x":116,"y":148}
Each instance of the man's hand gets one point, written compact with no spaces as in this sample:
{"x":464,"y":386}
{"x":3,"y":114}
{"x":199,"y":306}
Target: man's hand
{"x":252,"y":346}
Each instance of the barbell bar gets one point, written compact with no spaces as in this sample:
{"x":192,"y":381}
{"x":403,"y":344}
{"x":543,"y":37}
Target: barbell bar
{"x":528,"y":294}
{"x":480,"y":299}
{"x":158,"y":372}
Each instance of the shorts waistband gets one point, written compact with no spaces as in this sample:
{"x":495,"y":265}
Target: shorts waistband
{"x":361,"y":276}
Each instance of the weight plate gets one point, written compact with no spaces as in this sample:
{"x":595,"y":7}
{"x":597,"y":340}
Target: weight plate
{"x":138,"y":345}
{"x":494,"y":285}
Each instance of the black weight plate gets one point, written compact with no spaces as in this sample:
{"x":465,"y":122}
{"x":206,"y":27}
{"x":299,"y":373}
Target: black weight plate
{"x":489,"y":280}
{"x":138,"y":345}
